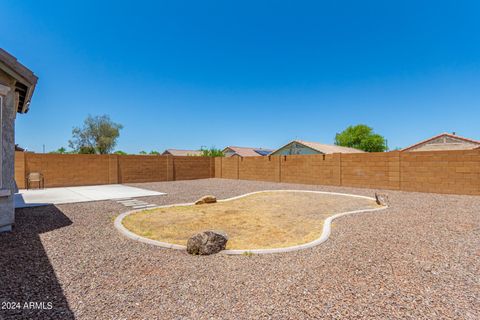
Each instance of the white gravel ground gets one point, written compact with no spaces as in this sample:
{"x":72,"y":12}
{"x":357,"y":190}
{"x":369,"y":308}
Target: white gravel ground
{"x":418,"y":259}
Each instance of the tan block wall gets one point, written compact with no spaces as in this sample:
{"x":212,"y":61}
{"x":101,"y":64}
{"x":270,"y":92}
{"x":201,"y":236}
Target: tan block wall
{"x":230,"y":167}
{"x":61,"y":170}
{"x":20,"y":169}
{"x":313,"y":169}
{"x":259,"y":168}
{"x":140,"y":168}
{"x":69,"y":169}
{"x":190,"y":168}
{"x":218,"y":167}
{"x":113,"y":169}
{"x":212,"y":168}
{"x":371,"y":170}
{"x":456,"y":172}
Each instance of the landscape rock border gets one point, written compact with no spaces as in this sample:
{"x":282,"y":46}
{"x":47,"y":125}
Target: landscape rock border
{"x":326,"y":231}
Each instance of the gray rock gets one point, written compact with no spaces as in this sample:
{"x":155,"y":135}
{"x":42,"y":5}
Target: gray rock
{"x":207,"y":242}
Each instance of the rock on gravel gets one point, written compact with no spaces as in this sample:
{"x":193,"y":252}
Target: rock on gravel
{"x":206,"y":199}
{"x":381,"y":199}
{"x":207,"y":242}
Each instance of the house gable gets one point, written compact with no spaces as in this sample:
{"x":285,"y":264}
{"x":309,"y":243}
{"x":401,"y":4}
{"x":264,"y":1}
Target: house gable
{"x":293,"y":148}
{"x":444,"y":141}
{"x":228,"y":152}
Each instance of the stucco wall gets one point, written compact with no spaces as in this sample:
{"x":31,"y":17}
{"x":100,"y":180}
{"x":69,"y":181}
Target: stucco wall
{"x":7,"y":213}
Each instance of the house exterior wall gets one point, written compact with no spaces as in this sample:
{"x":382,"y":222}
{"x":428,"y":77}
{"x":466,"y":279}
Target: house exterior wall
{"x":295,"y":149}
{"x":7,"y":187}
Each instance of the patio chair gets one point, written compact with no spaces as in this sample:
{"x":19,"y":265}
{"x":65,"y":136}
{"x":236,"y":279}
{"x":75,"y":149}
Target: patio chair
{"x":35,"y":177}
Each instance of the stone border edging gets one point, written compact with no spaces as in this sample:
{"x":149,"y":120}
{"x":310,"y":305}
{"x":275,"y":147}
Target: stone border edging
{"x":326,"y":231}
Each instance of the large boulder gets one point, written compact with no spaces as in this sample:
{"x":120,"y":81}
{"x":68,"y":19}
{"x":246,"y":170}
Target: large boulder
{"x":207,"y":242}
{"x":206,"y":199}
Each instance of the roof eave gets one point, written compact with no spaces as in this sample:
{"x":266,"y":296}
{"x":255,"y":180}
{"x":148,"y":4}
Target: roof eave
{"x":21,"y":74}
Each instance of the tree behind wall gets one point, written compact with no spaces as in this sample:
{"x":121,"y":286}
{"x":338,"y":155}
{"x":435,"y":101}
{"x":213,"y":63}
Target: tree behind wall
{"x":211,"y":152}
{"x":60,"y":150}
{"x":361,"y":137}
{"x":98,"y":135}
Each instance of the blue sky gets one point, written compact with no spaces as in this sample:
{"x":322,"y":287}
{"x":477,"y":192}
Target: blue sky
{"x":182,"y":74}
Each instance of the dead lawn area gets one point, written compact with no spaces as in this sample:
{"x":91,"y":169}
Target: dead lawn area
{"x":262,"y":220}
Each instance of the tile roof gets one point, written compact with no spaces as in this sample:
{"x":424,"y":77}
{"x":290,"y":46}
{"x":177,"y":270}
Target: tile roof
{"x":248,"y":152}
{"x":179,"y":152}
{"x":329,"y":148}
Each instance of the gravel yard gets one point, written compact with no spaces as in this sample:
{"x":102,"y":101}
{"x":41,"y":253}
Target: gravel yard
{"x":418,"y":259}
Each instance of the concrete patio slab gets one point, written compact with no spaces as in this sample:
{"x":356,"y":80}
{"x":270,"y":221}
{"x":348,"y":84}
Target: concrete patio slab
{"x":41,"y":197}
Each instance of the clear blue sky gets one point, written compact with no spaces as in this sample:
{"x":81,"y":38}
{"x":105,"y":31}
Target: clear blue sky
{"x":182,"y":74}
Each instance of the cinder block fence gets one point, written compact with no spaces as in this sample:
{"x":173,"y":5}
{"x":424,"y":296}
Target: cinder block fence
{"x":455,"y":172}
{"x":61,"y":170}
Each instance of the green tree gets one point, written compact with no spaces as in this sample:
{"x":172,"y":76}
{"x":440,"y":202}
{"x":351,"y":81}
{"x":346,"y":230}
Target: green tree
{"x":60,"y":150}
{"x":86,"y":150}
{"x":142,"y":152}
{"x":120,"y":152}
{"x":361,"y":137}
{"x":154,"y":152}
{"x":98,"y":134}
{"x":211,"y":152}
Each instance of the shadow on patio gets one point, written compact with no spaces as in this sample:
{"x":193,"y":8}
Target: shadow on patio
{"x":26,"y":275}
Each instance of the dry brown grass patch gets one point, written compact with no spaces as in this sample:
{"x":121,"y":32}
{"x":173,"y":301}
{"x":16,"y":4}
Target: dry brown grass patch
{"x":262,"y":220}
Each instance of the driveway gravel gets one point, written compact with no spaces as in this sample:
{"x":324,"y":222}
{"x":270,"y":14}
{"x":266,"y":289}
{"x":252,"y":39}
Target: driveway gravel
{"x":418,"y":259}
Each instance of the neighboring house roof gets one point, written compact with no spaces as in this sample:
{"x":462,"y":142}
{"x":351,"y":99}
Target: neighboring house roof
{"x":25,"y":79}
{"x":323,"y":148}
{"x":179,"y":152}
{"x":454,"y":143}
{"x":247,"y":152}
